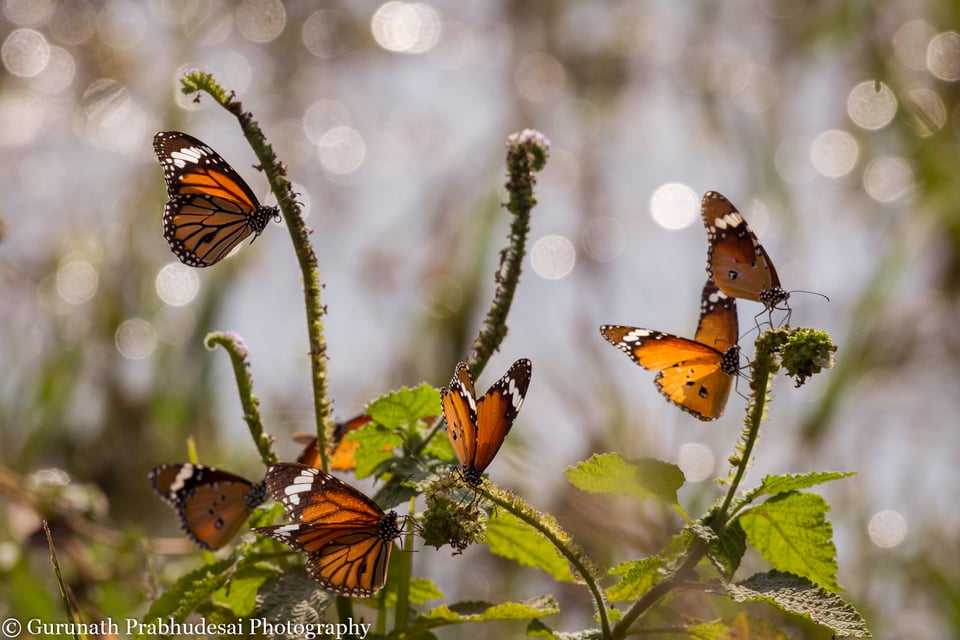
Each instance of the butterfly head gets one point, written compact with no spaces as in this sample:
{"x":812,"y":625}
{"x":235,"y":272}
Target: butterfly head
{"x":730,"y":362}
{"x":389,"y":528}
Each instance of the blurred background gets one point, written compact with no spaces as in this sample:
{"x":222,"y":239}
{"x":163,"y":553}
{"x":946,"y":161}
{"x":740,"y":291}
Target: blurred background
{"x":833,"y":126}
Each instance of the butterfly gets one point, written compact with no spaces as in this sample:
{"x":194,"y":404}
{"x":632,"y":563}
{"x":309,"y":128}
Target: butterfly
{"x":477,"y":427}
{"x":340,"y":456}
{"x":211,"y":209}
{"x":736,"y":260}
{"x":696,"y":375}
{"x":212,"y":504}
{"x":346,"y":537}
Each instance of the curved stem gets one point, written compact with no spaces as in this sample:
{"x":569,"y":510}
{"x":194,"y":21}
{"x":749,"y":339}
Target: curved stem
{"x":760,"y":370}
{"x":234,"y":346}
{"x":527,"y":515}
{"x":526,"y":154}
{"x":299,"y":234}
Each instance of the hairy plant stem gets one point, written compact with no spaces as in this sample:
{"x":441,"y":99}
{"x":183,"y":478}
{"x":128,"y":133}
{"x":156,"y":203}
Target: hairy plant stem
{"x":526,"y":154}
{"x":760,"y":370}
{"x":299,"y":234}
{"x":575,"y":559}
{"x":234,"y":346}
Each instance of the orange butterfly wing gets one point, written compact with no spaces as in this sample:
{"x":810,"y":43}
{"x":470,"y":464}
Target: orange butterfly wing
{"x":477,"y":428}
{"x":347,"y":538}
{"x":460,"y":413}
{"x":210,"y":209}
{"x":696,"y":375}
{"x":736,"y":260}
{"x":497,"y":410}
{"x":212,"y":505}
{"x":342,"y":451}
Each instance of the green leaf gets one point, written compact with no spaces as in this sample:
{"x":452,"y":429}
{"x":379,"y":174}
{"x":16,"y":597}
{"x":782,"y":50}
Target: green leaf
{"x":610,"y":473}
{"x":239,"y":594}
{"x":771,"y":485}
{"x":191,"y":589}
{"x":638,"y":577}
{"x":405,"y":406}
{"x":483,"y":611}
{"x":422,"y":589}
{"x":714,"y":630}
{"x":290,"y":600}
{"x":728,"y":548}
{"x":510,"y":537}
{"x":376,"y":445}
{"x":744,"y":626}
{"x":792,"y":533}
{"x":797,"y":595}
{"x":536,"y":629}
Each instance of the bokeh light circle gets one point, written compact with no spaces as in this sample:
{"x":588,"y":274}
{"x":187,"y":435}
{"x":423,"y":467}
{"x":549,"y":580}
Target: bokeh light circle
{"x":25,"y":53}
{"x":342,"y":150}
{"x":552,"y":257}
{"x":834,"y":153}
{"x":261,"y":20}
{"x":406,"y":27}
{"x":871,"y":105}
{"x":674,"y":206}
{"x":888,"y":179}
{"x":887,"y":529}
{"x":136,"y":339}
{"x":943,"y":56}
{"x":77,"y":281}
{"x":177,"y":284}
{"x":696,"y":460}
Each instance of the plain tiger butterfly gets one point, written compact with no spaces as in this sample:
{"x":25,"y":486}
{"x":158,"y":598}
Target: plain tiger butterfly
{"x":340,"y":456}
{"x":210,"y":209}
{"x":696,"y":375}
{"x":477,"y":427}
{"x":736,"y":260}
{"x":345,"y":536}
{"x":212,"y":505}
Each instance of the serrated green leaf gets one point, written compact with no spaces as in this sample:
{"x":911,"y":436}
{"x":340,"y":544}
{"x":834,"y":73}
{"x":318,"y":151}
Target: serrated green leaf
{"x":792,"y":533}
{"x":422,"y":590}
{"x":728,"y":548}
{"x":610,"y":473}
{"x":536,"y":629}
{"x":403,"y":407}
{"x":638,"y":577}
{"x":797,"y":595}
{"x":771,"y":485}
{"x":376,"y":445}
{"x":290,"y":600}
{"x":239,"y":594}
{"x":512,"y":538}
{"x":480,"y":611}
{"x":182,"y":598}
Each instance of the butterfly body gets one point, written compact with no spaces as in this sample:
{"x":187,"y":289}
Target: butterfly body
{"x":478,"y":427}
{"x":212,"y":505}
{"x":696,"y":375}
{"x":210,"y":209}
{"x":736,"y":260}
{"x":346,"y":537}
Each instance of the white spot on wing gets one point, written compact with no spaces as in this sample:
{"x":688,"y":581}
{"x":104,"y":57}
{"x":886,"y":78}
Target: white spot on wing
{"x":185,"y":473}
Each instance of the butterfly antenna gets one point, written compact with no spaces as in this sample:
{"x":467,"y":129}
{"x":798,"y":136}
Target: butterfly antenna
{"x":812,"y":293}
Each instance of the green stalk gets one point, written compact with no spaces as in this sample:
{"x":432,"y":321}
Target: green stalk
{"x":574,"y":555}
{"x":234,"y":346}
{"x":299,"y":235}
